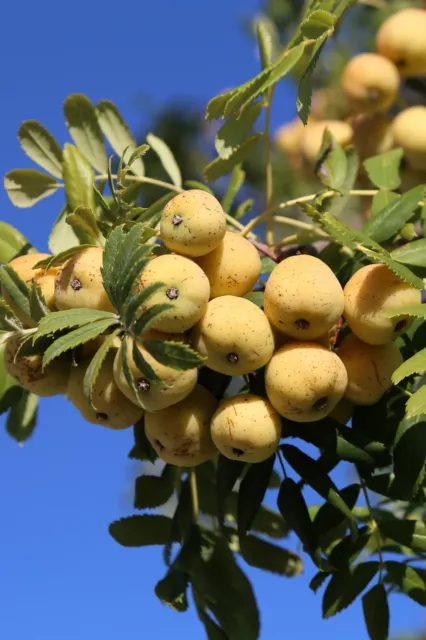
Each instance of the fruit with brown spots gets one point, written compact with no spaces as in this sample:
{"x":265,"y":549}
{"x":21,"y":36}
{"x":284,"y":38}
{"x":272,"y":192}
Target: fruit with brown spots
{"x":193,"y":223}
{"x":369,"y":368}
{"x":234,"y":335}
{"x":246,"y":428}
{"x":303,"y":297}
{"x":305,"y":381}
{"x":313,"y":135}
{"x":401,"y":38}
{"x":409,"y":132}
{"x":180,"y":434}
{"x":371,"y":291}
{"x":370,"y":82}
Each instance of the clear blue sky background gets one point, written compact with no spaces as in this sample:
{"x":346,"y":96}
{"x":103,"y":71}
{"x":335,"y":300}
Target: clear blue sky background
{"x":61,"y":576}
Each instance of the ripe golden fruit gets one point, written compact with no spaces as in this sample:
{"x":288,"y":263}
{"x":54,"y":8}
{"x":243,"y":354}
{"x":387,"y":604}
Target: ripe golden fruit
{"x":110,"y":407}
{"x":88,"y":349}
{"x":79,"y":282}
{"x":288,"y":137}
{"x":153,"y":397}
{"x":303,"y":297}
{"x":186,"y":287}
{"x":234,"y":335}
{"x":401,"y":38}
{"x":373,"y":135}
{"x":181,"y":434}
{"x":313,"y":134}
{"x":369,"y":368}
{"x":28,"y":370}
{"x":372,"y":290}
{"x":193,"y":223}
{"x":370,"y":82}
{"x":246,"y":428}
{"x":233,"y":267}
{"x":305,"y":381}
{"x":409,"y":131}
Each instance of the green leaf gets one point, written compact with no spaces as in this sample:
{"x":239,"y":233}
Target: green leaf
{"x":78,"y":178}
{"x":172,"y":590}
{"x":292,"y":506}
{"x":220,"y":166}
{"x":141,"y":531}
{"x":376,"y":612}
{"x":227,"y":473}
{"x":118,"y":134}
{"x":345,"y":586}
{"x":38,"y":306}
{"x":194,"y":184}
{"x":142,"y":449}
{"x":268,"y":265}
{"x":236,"y":130}
{"x":83,"y":125}
{"x":400,"y":270}
{"x":150,"y":318}
{"x":243,"y":208}
{"x":153,"y":491}
{"x":382,"y":199}
{"x":328,"y":517}
{"x":138,"y":153}
{"x":413,"y":253}
{"x":410,"y":460}
{"x":304,"y":94}
{"x":410,"y":533}
{"x":59,"y":320}
{"x":256,"y":297}
{"x":133,"y":306}
{"x":416,"y":405}
{"x":166,"y":157}
{"x":267,"y":40}
{"x":416,"y":310}
{"x":333,"y":163}
{"x":251,"y":493}
{"x":318,"y":580}
{"x":22,"y":418}
{"x":62,"y":257}
{"x":235,"y":183}
{"x":16,"y":288}
{"x":348,"y":550}
{"x":383,"y":170}
{"x":12,"y":243}
{"x":408,"y":579}
{"x":176,"y":355}
{"x":318,"y":22}
{"x":84,"y":219}
{"x":270,"y":557}
{"x":415,"y":364}
{"x":392,"y":218}
{"x":145,"y":368}
{"x":77,"y":337}
{"x":96,"y":363}
{"x":63,"y":236}
{"x":25,"y":187}
{"x":41,"y":146}
{"x":10,"y":391}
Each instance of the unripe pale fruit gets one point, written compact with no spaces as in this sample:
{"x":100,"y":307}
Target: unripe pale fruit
{"x":373,"y":135}
{"x":234,"y":335}
{"x":303,"y":297}
{"x":246,"y":428}
{"x":305,"y":381}
{"x":371,"y":291}
{"x":110,"y":407}
{"x":153,"y":397}
{"x":28,"y":370}
{"x":186,"y":287}
{"x":181,"y":434}
{"x":401,"y":38}
{"x":409,"y":131}
{"x":79,"y":282}
{"x":288,"y":137}
{"x":370,"y":82}
{"x":233,"y":267}
{"x":369,"y":368}
{"x":312,"y":137}
{"x":193,"y":223}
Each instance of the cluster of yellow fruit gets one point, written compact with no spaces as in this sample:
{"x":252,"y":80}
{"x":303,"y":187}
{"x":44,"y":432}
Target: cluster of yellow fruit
{"x":205,"y":280}
{"x":371,"y":85}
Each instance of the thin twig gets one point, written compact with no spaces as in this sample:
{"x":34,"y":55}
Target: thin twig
{"x":194,"y":493}
{"x":268,"y":167}
{"x":281,"y":461}
{"x":375,"y":527}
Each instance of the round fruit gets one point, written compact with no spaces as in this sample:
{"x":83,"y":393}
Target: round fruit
{"x":370,"y":82}
{"x":193,"y":223}
{"x":246,"y":428}
{"x":233,"y":267}
{"x":110,"y":407}
{"x":312,"y":136}
{"x":181,"y":434}
{"x":409,"y":131}
{"x":79,"y":282}
{"x":373,"y":135}
{"x":401,"y":38}
{"x":369,"y":368}
{"x":303,"y":297}
{"x":288,"y":137}
{"x":151,"y":396}
{"x":28,"y":370}
{"x":234,"y":335}
{"x":305,"y":381}
{"x":186,"y":288}
{"x":371,"y":291}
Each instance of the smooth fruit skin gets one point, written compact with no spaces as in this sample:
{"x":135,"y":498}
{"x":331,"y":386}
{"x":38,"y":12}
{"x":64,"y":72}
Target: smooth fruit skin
{"x":305,"y":381}
{"x":372,"y":290}
{"x":373,"y":135}
{"x":181,"y":434}
{"x":79,"y":282}
{"x":288,"y":137}
{"x":312,"y":137}
{"x":234,"y":335}
{"x":401,"y":38}
{"x":110,"y":407}
{"x":369,"y":368}
{"x":28,"y":371}
{"x":233,"y":267}
{"x":303,"y":297}
{"x":186,"y":287}
{"x":246,"y":428}
{"x":370,"y":82}
{"x":153,"y":397}
{"x":409,"y":132}
{"x":193,"y":223}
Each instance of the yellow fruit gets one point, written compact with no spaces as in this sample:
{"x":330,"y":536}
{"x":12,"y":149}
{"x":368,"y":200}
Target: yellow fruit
{"x":373,"y":135}
{"x":186,"y":287}
{"x":28,"y":370}
{"x":79,"y":282}
{"x":288,"y":137}
{"x":303,"y":297}
{"x":88,"y":349}
{"x":312,"y":137}
{"x":409,"y":132}
{"x":305,"y":381}
{"x":401,"y":38}
{"x":234,"y":335}
{"x":343,"y":411}
{"x":369,"y":368}
{"x":181,"y":434}
{"x":370,"y":82}
{"x":110,"y":407}
{"x":371,"y":291}
{"x":246,"y":428}
{"x":233,"y":267}
{"x":193,"y":223}
{"x":151,"y":396}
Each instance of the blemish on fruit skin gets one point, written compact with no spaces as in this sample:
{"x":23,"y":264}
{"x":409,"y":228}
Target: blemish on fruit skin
{"x":101,"y":416}
{"x":76,"y":284}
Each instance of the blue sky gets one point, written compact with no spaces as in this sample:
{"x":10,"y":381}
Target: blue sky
{"x":62,"y":576}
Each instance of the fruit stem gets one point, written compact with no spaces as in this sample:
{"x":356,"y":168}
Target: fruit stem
{"x":145,"y":179}
{"x":269,"y":173}
{"x":374,"y":526}
{"x":281,"y":461}
{"x":194,"y":493}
